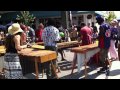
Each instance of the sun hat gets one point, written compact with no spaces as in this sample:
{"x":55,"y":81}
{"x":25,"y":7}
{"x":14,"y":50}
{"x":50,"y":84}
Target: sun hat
{"x":14,"y":29}
{"x":115,"y":20}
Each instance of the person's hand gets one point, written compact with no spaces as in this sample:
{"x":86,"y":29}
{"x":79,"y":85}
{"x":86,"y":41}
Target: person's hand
{"x":29,"y":45}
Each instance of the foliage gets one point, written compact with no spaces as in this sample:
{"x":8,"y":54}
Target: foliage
{"x":26,"y":18}
{"x":111,"y":16}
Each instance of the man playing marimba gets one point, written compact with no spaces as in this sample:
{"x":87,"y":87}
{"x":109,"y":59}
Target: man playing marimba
{"x":50,"y":37}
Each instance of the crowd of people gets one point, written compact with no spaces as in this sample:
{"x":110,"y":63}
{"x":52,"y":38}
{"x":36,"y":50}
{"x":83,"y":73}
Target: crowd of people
{"x":20,"y":36}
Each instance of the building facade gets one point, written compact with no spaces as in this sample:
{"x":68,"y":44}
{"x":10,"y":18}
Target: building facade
{"x":42,"y":16}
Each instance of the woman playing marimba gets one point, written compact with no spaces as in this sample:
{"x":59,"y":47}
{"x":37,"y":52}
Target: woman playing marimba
{"x":12,"y":65}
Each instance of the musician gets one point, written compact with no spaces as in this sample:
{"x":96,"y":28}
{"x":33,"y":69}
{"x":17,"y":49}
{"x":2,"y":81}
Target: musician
{"x":12,"y":65}
{"x":50,"y":37}
{"x":104,"y":43}
{"x":85,"y":37}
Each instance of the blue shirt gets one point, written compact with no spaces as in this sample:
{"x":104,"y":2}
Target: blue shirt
{"x":105,"y":34}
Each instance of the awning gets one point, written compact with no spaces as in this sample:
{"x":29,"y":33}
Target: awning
{"x":101,"y":13}
{"x":85,"y":12}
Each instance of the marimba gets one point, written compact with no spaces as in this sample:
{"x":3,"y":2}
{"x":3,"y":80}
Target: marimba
{"x":38,"y":56}
{"x":64,"y":45}
{"x":84,"y":53}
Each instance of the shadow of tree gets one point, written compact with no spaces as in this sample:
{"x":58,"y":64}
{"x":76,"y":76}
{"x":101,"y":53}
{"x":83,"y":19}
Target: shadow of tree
{"x":65,"y":65}
{"x":114,"y":72}
{"x":81,"y":75}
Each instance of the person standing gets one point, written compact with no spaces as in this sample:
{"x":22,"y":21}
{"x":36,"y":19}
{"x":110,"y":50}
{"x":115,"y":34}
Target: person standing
{"x":12,"y":66}
{"x":104,"y":43}
{"x":94,"y":28}
{"x":86,"y":35}
{"x":31,"y":34}
{"x":95,"y":33}
{"x":114,"y":32}
{"x":118,"y":28}
{"x":24,"y":34}
{"x":50,"y":37}
{"x":38,"y":33}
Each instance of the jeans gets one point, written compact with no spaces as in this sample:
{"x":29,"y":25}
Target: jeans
{"x":47,"y":65}
{"x":103,"y":56}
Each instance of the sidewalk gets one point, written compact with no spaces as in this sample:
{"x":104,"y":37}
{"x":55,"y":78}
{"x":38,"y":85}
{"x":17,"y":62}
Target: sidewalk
{"x":65,"y":67}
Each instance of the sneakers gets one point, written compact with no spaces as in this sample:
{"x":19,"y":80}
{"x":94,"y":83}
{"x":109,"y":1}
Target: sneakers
{"x":103,"y":70}
{"x":107,"y":72}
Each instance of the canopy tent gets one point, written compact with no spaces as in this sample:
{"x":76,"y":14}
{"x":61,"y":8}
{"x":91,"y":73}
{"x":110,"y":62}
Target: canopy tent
{"x":102,"y":13}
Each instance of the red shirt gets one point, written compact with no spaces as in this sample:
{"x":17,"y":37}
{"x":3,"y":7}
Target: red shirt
{"x":86,"y":32}
{"x":39,"y":34}
{"x":101,"y":42}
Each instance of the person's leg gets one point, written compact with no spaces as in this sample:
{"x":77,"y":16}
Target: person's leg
{"x":102,"y":59}
{"x":116,"y":44}
{"x":119,"y":51}
{"x":74,"y":62}
{"x":61,"y":52}
{"x":113,"y":51}
{"x":47,"y":68}
{"x":54,"y":62}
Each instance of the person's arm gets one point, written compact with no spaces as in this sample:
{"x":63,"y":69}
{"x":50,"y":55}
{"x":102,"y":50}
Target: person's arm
{"x":57,"y":36}
{"x":101,"y":30}
{"x":17,"y":43}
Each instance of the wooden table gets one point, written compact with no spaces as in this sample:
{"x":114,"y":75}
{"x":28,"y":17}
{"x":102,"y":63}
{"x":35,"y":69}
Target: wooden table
{"x":84,"y":53}
{"x":39,"y":56}
{"x":64,"y":45}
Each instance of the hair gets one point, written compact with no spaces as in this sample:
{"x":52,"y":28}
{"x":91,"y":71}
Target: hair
{"x":100,"y":20}
{"x":41,"y":25}
{"x":88,"y":24}
{"x":19,"y":33}
{"x":17,"y":21}
{"x":51,"y":22}
{"x":58,"y":24}
{"x":82,"y":24}
{"x":23,"y":26}
{"x":9,"y":42}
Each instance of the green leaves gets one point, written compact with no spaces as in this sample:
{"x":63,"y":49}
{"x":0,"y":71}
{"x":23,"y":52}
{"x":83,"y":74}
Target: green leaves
{"x":111,"y":16}
{"x":26,"y":18}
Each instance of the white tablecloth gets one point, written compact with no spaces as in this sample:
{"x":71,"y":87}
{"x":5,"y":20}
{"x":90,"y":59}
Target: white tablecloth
{"x":81,"y":57}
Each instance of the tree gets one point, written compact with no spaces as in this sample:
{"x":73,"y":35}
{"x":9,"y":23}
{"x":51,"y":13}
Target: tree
{"x":111,"y":16}
{"x":26,"y":18}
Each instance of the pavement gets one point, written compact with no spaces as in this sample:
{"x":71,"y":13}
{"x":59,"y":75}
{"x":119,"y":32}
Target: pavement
{"x":66,"y":67}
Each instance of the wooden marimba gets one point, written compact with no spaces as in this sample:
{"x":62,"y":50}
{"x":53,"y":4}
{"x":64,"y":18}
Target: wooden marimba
{"x":84,"y":53}
{"x":38,"y":56}
{"x":64,"y":45}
